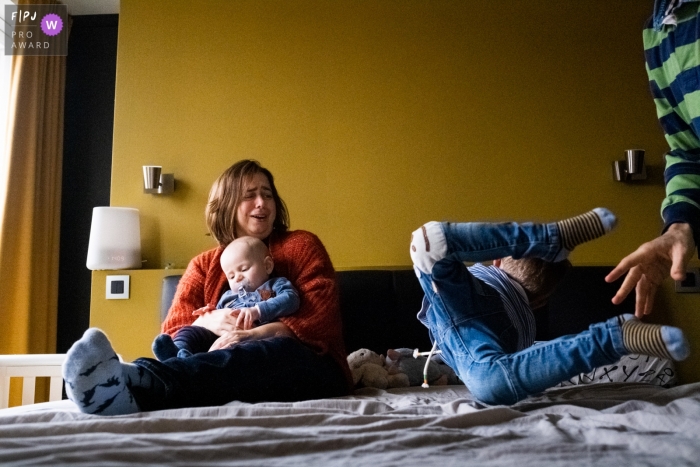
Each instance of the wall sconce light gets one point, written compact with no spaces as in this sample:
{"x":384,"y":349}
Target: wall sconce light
{"x":115,"y":239}
{"x":157,"y":183}
{"x":632,"y":168}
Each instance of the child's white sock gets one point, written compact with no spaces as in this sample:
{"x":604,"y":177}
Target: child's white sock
{"x":95,"y":378}
{"x":428,"y":246}
{"x":584,"y":228}
{"x":653,"y":339}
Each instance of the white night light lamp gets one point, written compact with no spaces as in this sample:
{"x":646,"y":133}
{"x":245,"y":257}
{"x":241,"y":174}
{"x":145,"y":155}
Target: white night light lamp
{"x":115,"y":239}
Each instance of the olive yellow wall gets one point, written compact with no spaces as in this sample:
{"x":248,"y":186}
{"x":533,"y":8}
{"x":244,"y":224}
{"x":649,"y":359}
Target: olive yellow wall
{"x":132,"y":323}
{"x":376,"y":116}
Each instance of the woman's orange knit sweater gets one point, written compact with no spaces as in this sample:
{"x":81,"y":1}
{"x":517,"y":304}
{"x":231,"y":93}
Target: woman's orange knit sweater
{"x":302,"y":259}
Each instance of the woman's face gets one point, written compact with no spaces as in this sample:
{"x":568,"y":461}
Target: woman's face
{"x":256,"y":212}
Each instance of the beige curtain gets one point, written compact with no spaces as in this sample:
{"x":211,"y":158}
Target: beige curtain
{"x":30,"y":214}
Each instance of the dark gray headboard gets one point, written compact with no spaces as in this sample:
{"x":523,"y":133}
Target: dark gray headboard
{"x":379,"y":306}
{"x":167,"y":294}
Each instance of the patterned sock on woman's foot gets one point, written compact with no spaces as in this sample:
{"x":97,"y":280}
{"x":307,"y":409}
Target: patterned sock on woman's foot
{"x":654,"y":339}
{"x":584,"y":228}
{"x":94,"y":377}
{"x":137,"y":377}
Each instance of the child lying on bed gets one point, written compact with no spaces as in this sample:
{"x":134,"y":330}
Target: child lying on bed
{"x":253,"y":297}
{"x":480,"y":317}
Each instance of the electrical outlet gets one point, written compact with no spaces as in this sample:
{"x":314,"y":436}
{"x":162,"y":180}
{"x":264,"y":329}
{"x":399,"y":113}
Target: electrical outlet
{"x":117,"y":288}
{"x":691,"y":284}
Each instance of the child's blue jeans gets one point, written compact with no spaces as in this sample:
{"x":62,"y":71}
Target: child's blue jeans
{"x":468,"y":320}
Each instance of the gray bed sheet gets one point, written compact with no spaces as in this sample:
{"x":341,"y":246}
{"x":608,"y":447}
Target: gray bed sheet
{"x":616,"y":424}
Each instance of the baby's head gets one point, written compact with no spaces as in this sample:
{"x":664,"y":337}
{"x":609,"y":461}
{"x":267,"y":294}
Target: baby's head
{"x":247,"y":263}
{"x":539,"y":278}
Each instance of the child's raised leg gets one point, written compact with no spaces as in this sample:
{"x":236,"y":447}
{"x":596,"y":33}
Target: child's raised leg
{"x":482,"y":241}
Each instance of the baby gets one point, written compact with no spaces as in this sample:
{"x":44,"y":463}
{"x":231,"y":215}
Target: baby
{"x":254,"y":298}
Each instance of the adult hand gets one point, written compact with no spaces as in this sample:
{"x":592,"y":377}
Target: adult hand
{"x":217,"y":321}
{"x":204,"y":310}
{"x":276,"y":328}
{"x":230,"y":338}
{"x":651,"y":263}
{"x":247,"y":317}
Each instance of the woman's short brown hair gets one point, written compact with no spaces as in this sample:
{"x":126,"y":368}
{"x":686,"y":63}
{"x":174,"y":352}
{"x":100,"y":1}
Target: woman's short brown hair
{"x":225,"y":197}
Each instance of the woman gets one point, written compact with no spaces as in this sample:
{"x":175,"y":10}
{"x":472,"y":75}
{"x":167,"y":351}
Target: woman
{"x":302,"y":356}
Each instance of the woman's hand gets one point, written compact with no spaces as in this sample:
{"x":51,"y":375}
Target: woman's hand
{"x":651,"y":264}
{"x":217,"y":321}
{"x":205,"y":309}
{"x":233,"y":337}
{"x":261,"y":332}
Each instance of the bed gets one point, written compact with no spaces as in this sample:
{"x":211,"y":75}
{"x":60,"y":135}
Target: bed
{"x":590,"y":420}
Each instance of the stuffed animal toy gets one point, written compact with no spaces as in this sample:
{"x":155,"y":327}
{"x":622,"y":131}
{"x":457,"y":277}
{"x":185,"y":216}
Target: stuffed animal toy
{"x":402,"y":361}
{"x":368,"y":370}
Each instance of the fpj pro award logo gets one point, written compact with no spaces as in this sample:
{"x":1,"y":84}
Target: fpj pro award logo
{"x":36,"y":30}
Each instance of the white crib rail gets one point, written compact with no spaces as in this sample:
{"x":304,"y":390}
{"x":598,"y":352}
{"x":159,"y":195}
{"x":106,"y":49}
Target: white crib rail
{"x":30,"y":367}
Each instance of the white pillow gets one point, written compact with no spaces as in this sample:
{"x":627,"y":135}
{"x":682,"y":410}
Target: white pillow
{"x":633,"y":368}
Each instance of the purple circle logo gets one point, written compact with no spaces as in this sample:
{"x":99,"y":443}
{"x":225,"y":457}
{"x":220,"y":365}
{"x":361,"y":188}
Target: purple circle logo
{"x":51,"y":24}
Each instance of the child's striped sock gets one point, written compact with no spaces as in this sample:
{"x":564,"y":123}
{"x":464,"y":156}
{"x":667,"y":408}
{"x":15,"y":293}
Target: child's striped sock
{"x":584,"y":228}
{"x":653,"y":339}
